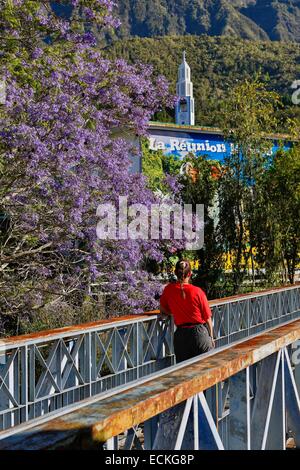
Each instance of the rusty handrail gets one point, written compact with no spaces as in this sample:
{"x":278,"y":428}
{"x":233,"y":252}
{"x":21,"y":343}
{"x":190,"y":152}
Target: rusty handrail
{"x":112,"y":416}
{"x":75,"y":329}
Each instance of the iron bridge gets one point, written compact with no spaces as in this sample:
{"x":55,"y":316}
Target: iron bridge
{"x":114,"y":384}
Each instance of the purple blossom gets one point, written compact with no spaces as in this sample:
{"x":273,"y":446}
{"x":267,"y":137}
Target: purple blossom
{"x":63,"y":158}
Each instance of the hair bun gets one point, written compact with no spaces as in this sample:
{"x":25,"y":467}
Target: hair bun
{"x":182,"y":270}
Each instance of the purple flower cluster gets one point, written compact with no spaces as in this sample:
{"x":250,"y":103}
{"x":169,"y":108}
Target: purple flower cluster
{"x":42,"y":18}
{"x":65,"y":150}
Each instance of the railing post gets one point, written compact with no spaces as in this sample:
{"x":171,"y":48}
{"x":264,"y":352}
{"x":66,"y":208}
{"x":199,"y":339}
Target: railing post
{"x":9,"y":373}
{"x":88,"y":361}
{"x":4,"y":402}
{"x":228,"y":322}
{"x":118,"y":357}
{"x":31,"y":381}
{"x":24,"y":382}
{"x":138,"y":347}
{"x":265,"y":318}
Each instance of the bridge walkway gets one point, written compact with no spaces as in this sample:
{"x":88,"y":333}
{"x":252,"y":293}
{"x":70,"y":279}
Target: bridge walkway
{"x":242,"y":396}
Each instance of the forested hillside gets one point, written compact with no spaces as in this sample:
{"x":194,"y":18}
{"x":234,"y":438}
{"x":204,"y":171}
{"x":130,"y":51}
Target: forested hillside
{"x":217,"y":63}
{"x":250,"y":19}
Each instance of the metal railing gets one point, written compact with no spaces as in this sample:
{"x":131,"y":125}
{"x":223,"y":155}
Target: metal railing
{"x":49,"y":371}
{"x":46,"y":372}
{"x":241,"y":396}
{"x":239,"y":317}
{"x":255,"y":407}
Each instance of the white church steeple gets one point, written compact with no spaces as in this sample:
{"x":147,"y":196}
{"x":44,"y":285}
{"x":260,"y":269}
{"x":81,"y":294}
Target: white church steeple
{"x":185,"y":108}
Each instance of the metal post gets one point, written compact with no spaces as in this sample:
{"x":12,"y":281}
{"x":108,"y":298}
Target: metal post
{"x":263,"y":400}
{"x":275,"y":434}
{"x":150,"y":430}
{"x":239,"y":418}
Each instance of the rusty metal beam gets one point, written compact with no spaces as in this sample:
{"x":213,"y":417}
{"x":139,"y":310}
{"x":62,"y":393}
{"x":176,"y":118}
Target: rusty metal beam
{"x":71,"y":330}
{"x":100,"y":421}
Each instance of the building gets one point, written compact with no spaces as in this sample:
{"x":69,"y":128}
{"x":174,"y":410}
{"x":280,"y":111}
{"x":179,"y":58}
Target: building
{"x":185,"y":108}
{"x":178,"y":141}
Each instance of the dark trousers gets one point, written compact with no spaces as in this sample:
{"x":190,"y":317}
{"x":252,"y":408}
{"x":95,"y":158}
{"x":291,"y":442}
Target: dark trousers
{"x":190,"y":342}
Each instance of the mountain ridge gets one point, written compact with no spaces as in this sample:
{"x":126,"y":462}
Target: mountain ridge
{"x":276,"y":20}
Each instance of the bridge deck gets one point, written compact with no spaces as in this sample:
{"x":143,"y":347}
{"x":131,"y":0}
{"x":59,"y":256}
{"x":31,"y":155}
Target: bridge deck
{"x":93,"y":423}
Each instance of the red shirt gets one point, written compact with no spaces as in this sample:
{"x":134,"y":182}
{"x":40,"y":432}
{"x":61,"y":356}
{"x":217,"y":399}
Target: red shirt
{"x":193,"y":308}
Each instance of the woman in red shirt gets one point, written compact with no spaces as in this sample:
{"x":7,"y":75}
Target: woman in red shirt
{"x":189,"y":306}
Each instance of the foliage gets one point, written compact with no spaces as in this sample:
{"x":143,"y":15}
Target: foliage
{"x":218,"y":64}
{"x":281,"y":184}
{"x":251,"y":202}
{"x":248,"y":114}
{"x":199,"y":186}
{"x":152,"y":166}
{"x":60,"y":158}
{"x":251,"y":19}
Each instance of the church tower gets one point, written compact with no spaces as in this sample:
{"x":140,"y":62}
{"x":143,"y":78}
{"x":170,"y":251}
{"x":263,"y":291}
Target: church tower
{"x":185,"y":108}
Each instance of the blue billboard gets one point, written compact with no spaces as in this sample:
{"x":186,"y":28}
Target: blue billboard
{"x":179,"y":143}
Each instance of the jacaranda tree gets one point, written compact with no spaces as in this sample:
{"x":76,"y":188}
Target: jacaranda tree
{"x":64,"y":149}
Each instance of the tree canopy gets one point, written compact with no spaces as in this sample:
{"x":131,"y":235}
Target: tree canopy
{"x":60,"y":157}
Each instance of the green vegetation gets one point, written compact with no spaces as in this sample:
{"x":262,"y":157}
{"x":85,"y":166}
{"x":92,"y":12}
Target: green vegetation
{"x":249,"y":112}
{"x":217,"y":64}
{"x":153,"y":166}
{"x":250,"y":19}
{"x":252,"y":202}
{"x":282,"y":212}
